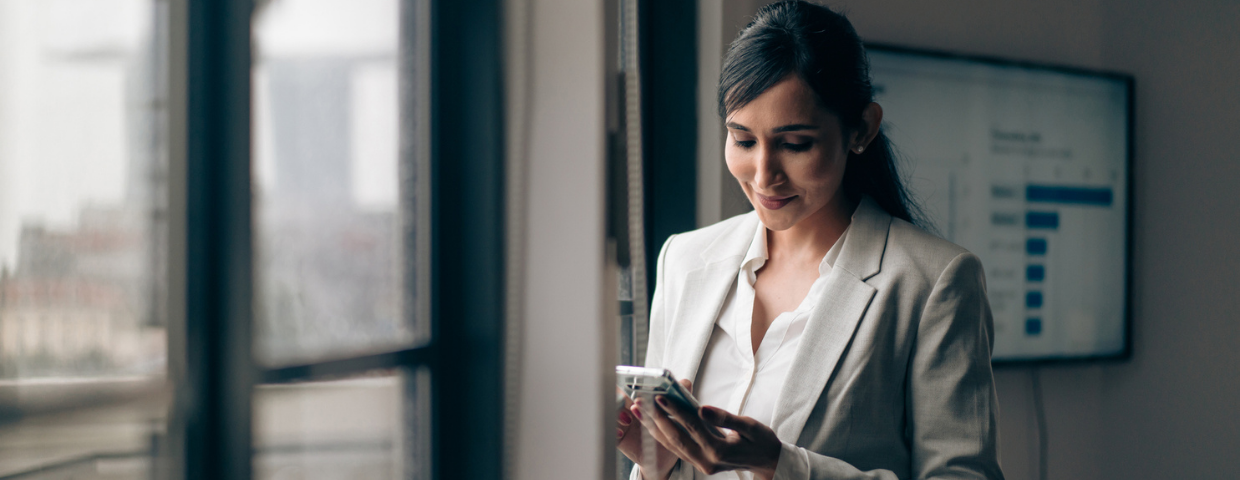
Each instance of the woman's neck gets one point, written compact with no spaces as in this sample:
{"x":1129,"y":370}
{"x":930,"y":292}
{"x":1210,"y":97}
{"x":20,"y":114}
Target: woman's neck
{"x":813,"y":236}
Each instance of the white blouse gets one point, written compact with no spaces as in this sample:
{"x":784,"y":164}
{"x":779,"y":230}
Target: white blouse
{"x":734,"y":377}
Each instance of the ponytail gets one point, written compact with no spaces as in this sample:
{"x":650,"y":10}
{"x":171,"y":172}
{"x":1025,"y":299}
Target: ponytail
{"x":873,"y":173}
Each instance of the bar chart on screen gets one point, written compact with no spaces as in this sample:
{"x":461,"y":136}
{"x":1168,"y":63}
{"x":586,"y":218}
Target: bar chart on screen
{"x":1027,"y":169}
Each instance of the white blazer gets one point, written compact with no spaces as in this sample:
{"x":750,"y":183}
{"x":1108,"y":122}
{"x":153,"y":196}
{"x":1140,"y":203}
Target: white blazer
{"x":892,"y":378}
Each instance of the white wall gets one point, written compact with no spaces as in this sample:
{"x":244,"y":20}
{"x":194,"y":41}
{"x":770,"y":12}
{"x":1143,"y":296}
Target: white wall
{"x":556,"y":127}
{"x":1173,"y":410}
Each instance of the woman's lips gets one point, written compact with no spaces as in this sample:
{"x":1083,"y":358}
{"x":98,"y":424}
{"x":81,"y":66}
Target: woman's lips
{"x":774,"y":203}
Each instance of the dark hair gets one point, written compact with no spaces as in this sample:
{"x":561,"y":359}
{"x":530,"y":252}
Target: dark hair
{"x":821,"y":47}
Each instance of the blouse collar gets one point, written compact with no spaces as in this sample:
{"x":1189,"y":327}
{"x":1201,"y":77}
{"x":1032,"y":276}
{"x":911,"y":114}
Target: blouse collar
{"x":757,"y":254}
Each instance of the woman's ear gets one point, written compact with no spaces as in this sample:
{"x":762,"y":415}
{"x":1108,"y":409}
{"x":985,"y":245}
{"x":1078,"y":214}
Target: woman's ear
{"x":871,"y":119}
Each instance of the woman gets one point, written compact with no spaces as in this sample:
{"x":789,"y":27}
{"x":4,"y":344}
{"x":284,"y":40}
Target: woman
{"x":830,"y":337}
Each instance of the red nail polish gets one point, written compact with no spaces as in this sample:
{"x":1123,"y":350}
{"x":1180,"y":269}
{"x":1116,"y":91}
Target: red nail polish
{"x":637,"y":412}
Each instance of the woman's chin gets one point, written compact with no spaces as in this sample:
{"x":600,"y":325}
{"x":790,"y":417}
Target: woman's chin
{"x":776,"y":220}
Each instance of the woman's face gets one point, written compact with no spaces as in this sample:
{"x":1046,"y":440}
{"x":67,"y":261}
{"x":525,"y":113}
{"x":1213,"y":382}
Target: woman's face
{"x":788,"y":153}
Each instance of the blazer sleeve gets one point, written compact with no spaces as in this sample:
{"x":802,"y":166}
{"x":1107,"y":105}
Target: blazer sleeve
{"x":951,"y":405}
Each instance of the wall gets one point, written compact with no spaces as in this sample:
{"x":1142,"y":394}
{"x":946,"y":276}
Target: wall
{"x":1171,"y":411}
{"x":556,"y":129}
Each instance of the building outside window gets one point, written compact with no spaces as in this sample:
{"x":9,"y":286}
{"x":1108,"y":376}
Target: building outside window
{"x":125,"y":344}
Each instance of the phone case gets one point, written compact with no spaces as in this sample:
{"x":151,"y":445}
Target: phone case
{"x":648,"y":382}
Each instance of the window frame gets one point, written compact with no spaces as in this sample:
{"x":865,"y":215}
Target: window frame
{"x":460,"y":113}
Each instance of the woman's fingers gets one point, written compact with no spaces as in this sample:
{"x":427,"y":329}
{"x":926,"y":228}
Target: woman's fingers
{"x":689,"y":420}
{"x":686,"y":434}
{"x":667,"y":431}
{"x":624,"y":418}
{"x":721,"y":418}
{"x":754,"y":446}
{"x":664,"y":423}
{"x":694,"y":444}
{"x":681,"y":431}
{"x":647,"y":415}
{"x":644,"y":425}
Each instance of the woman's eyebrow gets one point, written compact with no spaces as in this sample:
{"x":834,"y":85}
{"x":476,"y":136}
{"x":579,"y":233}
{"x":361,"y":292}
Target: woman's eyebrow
{"x":786,"y":128}
{"x":794,"y":127}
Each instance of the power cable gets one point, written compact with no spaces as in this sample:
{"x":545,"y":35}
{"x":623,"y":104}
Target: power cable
{"x":1040,"y":412}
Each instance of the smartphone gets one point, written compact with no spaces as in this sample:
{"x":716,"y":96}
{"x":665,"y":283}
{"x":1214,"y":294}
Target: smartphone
{"x":648,"y":382}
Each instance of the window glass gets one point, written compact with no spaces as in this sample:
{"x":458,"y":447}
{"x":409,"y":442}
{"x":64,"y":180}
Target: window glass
{"x":349,"y":428}
{"x":111,"y":442}
{"x":83,"y":206}
{"x":82,"y":191}
{"x":329,"y":240}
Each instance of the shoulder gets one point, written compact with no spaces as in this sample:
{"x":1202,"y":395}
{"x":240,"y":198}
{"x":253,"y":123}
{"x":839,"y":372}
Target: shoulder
{"x":688,"y":250}
{"x":705,"y":236}
{"x":915,"y":254}
{"x":888,"y":252}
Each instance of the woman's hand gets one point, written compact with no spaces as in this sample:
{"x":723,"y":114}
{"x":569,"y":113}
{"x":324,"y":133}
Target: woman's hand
{"x":693,"y":436}
{"x":629,"y":441}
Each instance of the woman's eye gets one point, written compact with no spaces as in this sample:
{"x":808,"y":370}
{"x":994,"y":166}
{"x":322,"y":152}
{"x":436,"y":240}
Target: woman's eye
{"x":745,"y":143}
{"x":797,"y":147}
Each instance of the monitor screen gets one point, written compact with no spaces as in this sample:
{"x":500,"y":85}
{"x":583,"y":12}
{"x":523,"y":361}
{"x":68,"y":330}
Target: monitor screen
{"x":1028,"y":168}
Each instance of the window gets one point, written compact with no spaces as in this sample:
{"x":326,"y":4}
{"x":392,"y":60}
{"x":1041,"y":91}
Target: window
{"x":327,"y":176}
{"x":251,"y":239}
{"x":657,"y":62}
{"x":83,"y":222}
{"x":333,"y":200}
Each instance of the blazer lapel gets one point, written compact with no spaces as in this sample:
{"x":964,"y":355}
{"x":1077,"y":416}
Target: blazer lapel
{"x":705,"y":291}
{"x":828,"y":333}
{"x":702,"y":297}
{"x":834,"y":321}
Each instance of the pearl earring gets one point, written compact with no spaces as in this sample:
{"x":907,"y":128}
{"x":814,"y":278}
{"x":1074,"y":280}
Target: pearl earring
{"x":860,"y":149}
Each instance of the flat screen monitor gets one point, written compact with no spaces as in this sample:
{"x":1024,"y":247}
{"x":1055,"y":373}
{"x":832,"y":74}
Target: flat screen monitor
{"x":1028,"y":167}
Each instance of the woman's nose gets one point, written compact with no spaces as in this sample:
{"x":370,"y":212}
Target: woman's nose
{"x":767,"y":172}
